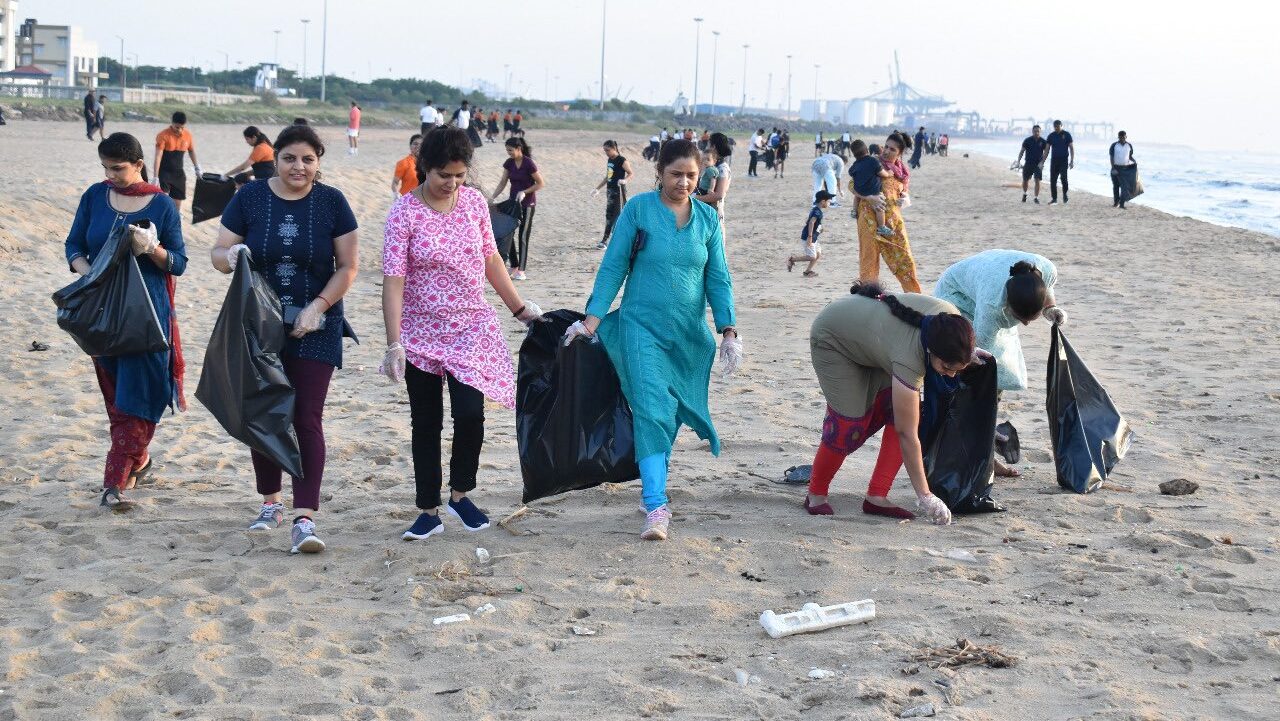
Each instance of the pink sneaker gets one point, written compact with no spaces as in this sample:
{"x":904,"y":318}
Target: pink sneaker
{"x":656,"y":523}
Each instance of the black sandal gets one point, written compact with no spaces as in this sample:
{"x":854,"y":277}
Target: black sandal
{"x":796,"y":476}
{"x":111,"y":498}
{"x":139,"y":475}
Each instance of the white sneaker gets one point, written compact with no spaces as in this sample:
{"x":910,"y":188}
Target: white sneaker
{"x":656,"y":523}
{"x":519,"y":275}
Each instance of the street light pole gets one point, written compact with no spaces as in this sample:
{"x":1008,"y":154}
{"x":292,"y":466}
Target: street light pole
{"x":226,"y":61}
{"x":276,"y":61}
{"x":305,"y":26}
{"x":715,"y":50}
{"x":743,"y":109}
{"x":604,"y":14}
{"x":817,"y":102}
{"x":506,"y":82}
{"x":788,"y":87}
{"x":324,"y":48}
{"x":697,"y":50}
{"x":124,"y":72}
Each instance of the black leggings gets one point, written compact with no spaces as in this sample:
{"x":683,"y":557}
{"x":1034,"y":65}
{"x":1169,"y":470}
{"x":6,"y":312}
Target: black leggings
{"x":520,"y":246}
{"x":426,"y":408}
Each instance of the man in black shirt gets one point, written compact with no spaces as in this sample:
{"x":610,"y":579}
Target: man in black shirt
{"x":617,"y":173}
{"x":1062,"y":155}
{"x":1033,"y":148}
{"x":90,"y":114}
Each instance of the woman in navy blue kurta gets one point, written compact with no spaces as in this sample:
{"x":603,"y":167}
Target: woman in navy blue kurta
{"x":137,"y":388}
{"x":301,"y":235}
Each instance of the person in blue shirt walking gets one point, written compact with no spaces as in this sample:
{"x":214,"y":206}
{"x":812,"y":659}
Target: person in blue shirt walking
{"x":136,"y":388}
{"x":810,"y":251}
{"x":1062,"y":156}
{"x":669,"y":249}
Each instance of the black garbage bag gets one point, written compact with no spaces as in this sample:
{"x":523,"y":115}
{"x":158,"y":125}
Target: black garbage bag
{"x":109,"y":312}
{"x":211,"y":197}
{"x":573,"y":425}
{"x":958,"y":435}
{"x":505,"y":218}
{"x":1089,"y":435}
{"x":243,"y":382}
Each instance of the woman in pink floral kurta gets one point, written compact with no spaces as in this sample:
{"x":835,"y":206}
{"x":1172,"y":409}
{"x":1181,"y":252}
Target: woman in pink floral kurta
{"x":437,"y":253}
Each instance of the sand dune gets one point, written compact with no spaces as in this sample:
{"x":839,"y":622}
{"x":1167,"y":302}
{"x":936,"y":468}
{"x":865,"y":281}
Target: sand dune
{"x":1122,"y":604}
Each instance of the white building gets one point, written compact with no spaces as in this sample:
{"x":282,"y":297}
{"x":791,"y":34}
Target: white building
{"x":8,"y":35}
{"x":267,"y":78}
{"x":59,"y":49}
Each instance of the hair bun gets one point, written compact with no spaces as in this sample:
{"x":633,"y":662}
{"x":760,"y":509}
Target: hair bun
{"x":1023,"y":267}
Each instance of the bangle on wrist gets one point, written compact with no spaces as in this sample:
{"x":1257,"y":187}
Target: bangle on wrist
{"x":327,"y":304}
{"x":516,"y":313}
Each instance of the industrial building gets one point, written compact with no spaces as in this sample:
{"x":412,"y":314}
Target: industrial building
{"x":8,"y":35}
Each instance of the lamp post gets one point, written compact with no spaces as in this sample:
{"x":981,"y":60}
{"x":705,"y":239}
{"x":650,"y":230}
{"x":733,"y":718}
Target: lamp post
{"x":276,"y":60}
{"x":744,"y":78}
{"x":226,"y":60}
{"x":124,"y":72}
{"x":697,"y":49}
{"x":604,"y":14}
{"x":788,"y":87}
{"x":305,"y":26}
{"x":817,"y":102}
{"x":506,"y":82}
{"x":324,"y":48}
{"x":715,"y":50}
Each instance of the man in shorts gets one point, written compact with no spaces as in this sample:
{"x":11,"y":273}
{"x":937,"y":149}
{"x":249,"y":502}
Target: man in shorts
{"x":171,"y":144}
{"x":1034,"y":148}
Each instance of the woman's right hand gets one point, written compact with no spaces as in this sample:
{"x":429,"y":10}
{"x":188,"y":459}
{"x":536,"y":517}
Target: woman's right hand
{"x":393,"y":363}
{"x":233,"y":254}
{"x":932,"y":507}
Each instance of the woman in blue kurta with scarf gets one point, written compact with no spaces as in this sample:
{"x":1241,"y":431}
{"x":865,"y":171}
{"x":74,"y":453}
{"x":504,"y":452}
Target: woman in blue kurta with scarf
{"x":136,"y":388}
{"x":658,"y":338}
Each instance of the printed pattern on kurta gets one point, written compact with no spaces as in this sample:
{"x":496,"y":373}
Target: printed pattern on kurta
{"x":658,"y":338}
{"x":447,"y":324}
{"x":896,"y":249}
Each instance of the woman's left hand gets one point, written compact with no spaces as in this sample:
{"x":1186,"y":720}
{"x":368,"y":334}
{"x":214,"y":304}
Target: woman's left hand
{"x":309,"y":319}
{"x":980,"y":356}
{"x":1055,"y":315}
{"x":520,"y":197}
{"x":730,"y":354}
{"x":144,"y":240}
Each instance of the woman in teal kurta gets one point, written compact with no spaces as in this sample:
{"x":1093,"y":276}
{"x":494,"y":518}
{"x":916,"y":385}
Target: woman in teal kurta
{"x":658,"y":338}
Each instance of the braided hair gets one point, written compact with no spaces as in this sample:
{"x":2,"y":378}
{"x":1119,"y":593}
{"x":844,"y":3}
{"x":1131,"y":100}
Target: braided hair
{"x":951,"y":337}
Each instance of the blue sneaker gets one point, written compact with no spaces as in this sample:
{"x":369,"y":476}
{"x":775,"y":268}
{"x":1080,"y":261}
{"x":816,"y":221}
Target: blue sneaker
{"x":471,"y":517}
{"x":427,"y":525}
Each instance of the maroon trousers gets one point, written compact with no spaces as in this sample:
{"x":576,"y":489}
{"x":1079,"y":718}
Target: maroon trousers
{"x":130,"y":435}
{"x":310,"y":381}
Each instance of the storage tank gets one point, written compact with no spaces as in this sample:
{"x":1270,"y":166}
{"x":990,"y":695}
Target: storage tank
{"x":885,"y":112}
{"x":861,"y":112}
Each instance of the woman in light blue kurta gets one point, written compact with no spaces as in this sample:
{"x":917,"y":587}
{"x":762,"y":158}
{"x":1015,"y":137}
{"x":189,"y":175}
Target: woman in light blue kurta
{"x":658,"y":338}
{"x":998,"y":290}
{"x":980,"y":286}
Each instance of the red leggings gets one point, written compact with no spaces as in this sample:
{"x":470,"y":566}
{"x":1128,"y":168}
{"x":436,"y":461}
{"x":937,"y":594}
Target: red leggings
{"x":130,"y":435}
{"x":842,"y":435}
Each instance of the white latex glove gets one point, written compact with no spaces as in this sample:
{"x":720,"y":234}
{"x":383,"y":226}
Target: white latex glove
{"x":530,"y":314}
{"x":233,"y":254}
{"x":934,"y":509}
{"x":595,"y":193}
{"x":980,"y":356}
{"x":730,"y":355}
{"x":144,"y":240}
{"x":393,"y":363}
{"x":198,"y":173}
{"x":308,"y":320}
{"x":520,"y":197}
{"x":576,"y":331}
{"x":622,"y":181}
{"x":1055,"y":315}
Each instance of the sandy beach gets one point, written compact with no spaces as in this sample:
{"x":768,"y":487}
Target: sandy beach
{"x":1123,"y":604}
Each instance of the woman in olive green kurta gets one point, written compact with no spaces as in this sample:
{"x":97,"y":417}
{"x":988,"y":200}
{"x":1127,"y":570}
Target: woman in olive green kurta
{"x":658,"y":338}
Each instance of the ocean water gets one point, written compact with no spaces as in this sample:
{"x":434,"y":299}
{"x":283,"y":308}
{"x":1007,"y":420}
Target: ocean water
{"x":1230,"y":188}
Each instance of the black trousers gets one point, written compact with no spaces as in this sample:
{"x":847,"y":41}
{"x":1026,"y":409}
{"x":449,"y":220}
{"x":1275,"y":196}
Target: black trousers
{"x":426,"y":409}
{"x":1057,"y":167}
{"x":612,"y":209}
{"x":755,"y":158}
{"x":520,"y":245}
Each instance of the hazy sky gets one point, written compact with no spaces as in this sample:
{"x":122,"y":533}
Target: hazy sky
{"x":1204,"y":76}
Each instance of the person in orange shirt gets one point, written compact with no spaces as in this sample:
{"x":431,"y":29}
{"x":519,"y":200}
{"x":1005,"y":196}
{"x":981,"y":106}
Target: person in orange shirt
{"x":171,"y":143}
{"x":405,"y":178}
{"x":353,"y":129}
{"x":491,"y":133}
{"x":506,"y":124}
{"x":262,"y":159}
{"x":515,"y":125}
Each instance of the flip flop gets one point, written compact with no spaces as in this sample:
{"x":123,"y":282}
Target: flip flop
{"x":139,"y":475}
{"x":1009,"y":448}
{"x":796,"y":476}
{"x":810,"y":273}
